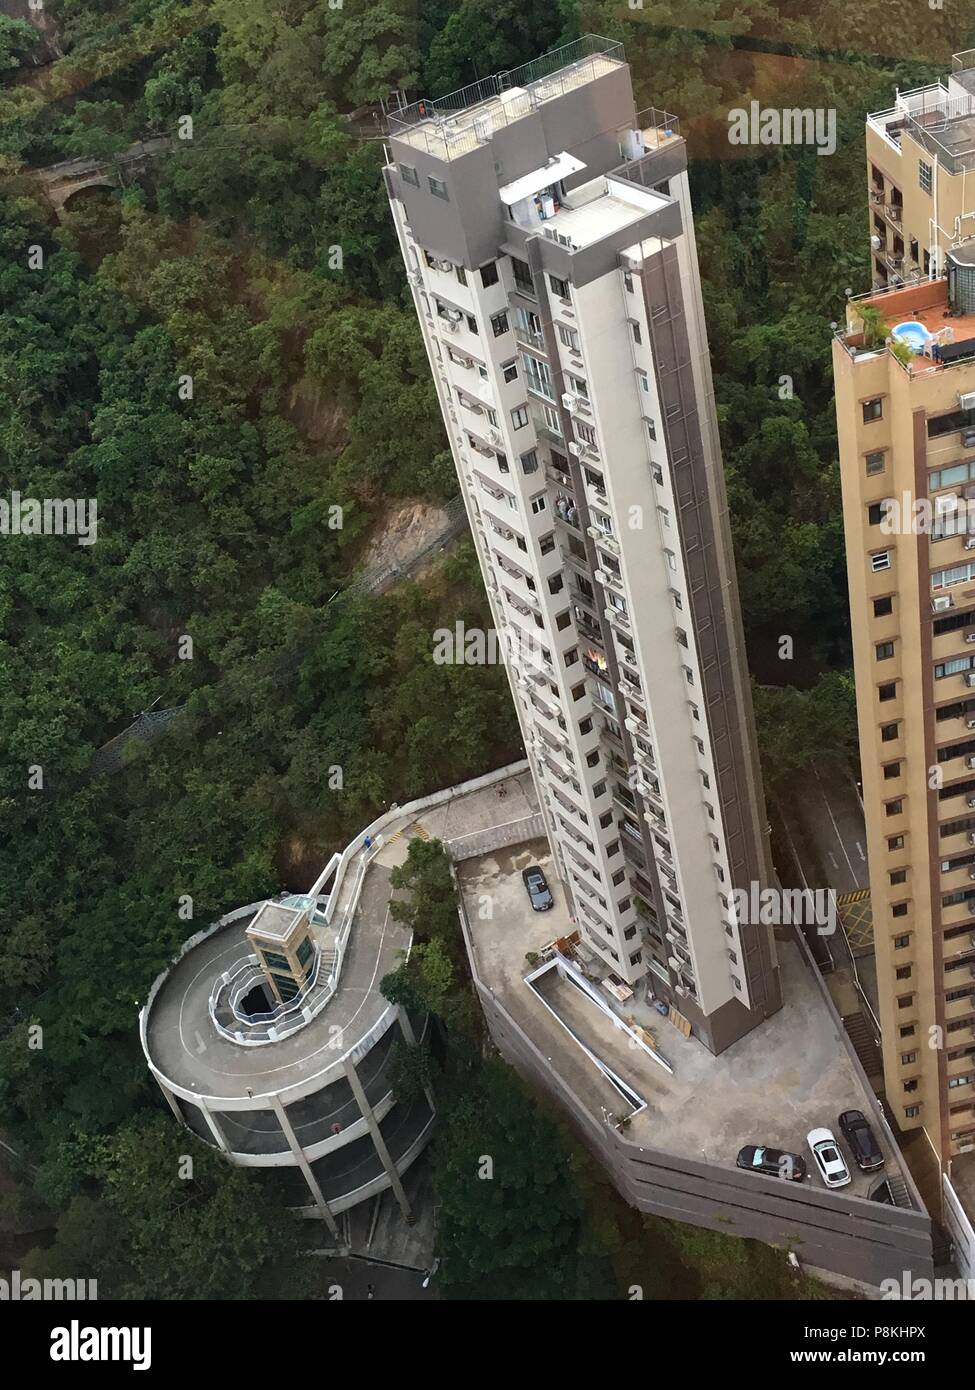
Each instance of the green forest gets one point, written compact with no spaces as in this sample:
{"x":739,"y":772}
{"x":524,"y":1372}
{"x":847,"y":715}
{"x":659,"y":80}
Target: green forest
{"x":222,"y":350}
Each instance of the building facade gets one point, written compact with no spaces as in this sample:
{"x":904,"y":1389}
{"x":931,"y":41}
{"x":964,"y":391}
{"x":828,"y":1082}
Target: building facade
{"x":547,"y":234}
{"x":904,"y":366}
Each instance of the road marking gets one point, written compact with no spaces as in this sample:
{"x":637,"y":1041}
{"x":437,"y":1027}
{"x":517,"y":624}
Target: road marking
{"x":832,"y":859}
{"x":860,"y":848}
{"x":843,"y":899}
{"x":201,"y":1046}
{"x":829,"y":812}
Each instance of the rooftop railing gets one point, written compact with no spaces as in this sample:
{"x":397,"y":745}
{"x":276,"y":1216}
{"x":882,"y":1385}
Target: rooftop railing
{"x":458,"y":122}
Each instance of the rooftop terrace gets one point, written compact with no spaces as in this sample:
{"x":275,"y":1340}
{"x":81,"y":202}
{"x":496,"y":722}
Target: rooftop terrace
{"x":925,"y":303}
{"x":939,"y":118}
{"x":455,"y":124}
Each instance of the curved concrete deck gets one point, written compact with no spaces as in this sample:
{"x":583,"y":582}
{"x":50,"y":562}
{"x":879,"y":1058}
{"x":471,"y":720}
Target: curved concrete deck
{"x":190,"y":1055}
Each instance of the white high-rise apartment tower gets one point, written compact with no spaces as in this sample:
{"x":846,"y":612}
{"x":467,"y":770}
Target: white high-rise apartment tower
{"x":547,"y":234}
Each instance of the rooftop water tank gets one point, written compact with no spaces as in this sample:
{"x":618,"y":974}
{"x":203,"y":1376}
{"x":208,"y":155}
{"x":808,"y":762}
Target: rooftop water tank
{"x":961,"y":278}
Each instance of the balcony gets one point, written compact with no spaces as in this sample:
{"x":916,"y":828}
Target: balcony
{"x":529,"y":338}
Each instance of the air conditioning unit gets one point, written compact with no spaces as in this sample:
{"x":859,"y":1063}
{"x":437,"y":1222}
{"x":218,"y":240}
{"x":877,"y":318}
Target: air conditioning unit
{"x":970,"y":678}
{"x":941,"y":602}
{"x":494,"y":437}
{"x":446,"y":266}
{"x":876,"y":243}
{"x":971,"y":837}
{"x":415,"y":278}
{"x":970,"y":636}
{"x":451,"y":326}
{"x":568,"y":400}
{"x":970,"y":543}
{"x":970,"y":723}
{"x":454,"y":315}
{"x":971,"y":763}
{"x":971,"y":803}
{"x":945,"y":865}
{"x":575,"y":449}
{"x":966,"y":400}
{"x":601,"y":577}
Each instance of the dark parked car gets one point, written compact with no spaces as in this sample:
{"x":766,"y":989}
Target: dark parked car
{"x":863,"y":1145}
{"x":772,"y":1162}
{"x":538,"y":889}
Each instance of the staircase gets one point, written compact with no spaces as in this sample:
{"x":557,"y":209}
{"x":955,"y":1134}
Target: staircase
{"x":861,"y":1035}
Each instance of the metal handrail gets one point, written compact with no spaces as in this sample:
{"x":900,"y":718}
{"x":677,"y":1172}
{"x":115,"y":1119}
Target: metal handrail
{"x":487,"y":88}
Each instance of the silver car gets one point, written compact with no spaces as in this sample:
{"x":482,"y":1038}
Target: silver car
{"x":827,"y":1158}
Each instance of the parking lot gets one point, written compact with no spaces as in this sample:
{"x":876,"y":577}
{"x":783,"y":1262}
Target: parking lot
{"x":789,"y":1076}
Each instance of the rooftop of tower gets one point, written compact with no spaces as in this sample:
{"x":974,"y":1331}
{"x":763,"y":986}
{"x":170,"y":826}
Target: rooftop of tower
{"x":940,"y":118}
{"x":454,"y":124}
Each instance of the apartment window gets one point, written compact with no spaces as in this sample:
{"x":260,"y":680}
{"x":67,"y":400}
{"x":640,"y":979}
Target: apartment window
{"x":900,"y":910}
{"x":437,"y":187}
{"x":551,"y":418}
{"x":915,"y":254}
{"x":576,"y":384}
{"x":637,"y":334}
{"x":556,"y":584}
{"x":644,"y":381}
{"x":924,"y":175}
{"x":471,"y":323}
{"x":872,"y":409}
{"x":461,"y":274}
{"x":502,"y":462}
{"x":900,"y":942}
{"x":897,"y":876}
{"x":409,"y":175}
{"x":499,"y":325}
{"x":570,"y":658}
{"x":884,"y":650}
{"x":907,"y":1030}
{"x":519,"y":417}
{"x":875,"y":512}
{"x":529,"y":462}
{"x":888,"y":732}
{"x":891,"y":770}
{"x":559,"y":287}
{"x":628,"y":282}
{"x":538,"y":503}
{"x":538,"y":376}
{"x":606,"y":819}
{"x":895,"y":807}
{"x":568,"y":337}
{"x":509,"y":371}
{"x":887,"y":691}
{"x":955,"y":1081}
{"x":905,"y":1001}
{"x":880,"y":560}
{"x":883,"y":606}
{"x":523,"y":275}
{"x":651,"y":429}
{"x":875,"y":462}
{"x":912,"y":1111}
{"x":547,"y":544}
{"x":489,"y":274}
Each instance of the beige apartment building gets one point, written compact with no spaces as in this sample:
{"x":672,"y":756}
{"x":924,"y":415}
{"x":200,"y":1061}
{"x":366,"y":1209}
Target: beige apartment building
{"x":904,"y":366}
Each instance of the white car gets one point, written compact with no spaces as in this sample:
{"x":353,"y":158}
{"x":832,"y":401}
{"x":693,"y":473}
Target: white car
{"x":827,"y":1157}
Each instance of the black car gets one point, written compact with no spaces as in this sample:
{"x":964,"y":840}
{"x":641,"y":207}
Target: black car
{"x":538,"y":889}
{"x":863,"y":1144}
{"x":772,"y":1162}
